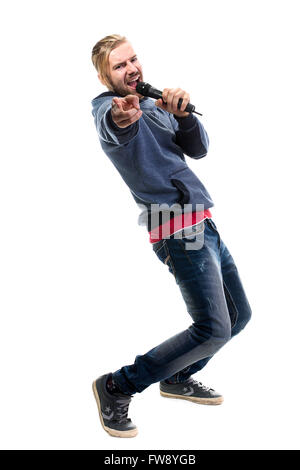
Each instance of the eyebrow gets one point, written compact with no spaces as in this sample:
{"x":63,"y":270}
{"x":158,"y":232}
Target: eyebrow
{"x":121,"y":63}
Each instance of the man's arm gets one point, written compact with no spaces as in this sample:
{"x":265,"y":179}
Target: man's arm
{"x":190,"y":133}
{"x":191,"y":136}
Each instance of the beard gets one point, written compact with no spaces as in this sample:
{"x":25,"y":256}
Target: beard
{"x":122,"y":89}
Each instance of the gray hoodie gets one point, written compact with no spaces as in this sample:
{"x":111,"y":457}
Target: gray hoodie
{"x":149,"y":155}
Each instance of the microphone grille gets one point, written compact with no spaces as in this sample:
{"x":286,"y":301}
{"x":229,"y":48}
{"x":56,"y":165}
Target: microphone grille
{"x":142,"y":88}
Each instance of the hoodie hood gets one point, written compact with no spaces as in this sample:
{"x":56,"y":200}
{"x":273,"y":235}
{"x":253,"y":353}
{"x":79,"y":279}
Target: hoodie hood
{"x":98,"y":100}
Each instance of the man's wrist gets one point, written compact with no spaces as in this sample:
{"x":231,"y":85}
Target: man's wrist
{"x":111,"y":121}
{"x":186,"y":122}
{"x":182,"y":117}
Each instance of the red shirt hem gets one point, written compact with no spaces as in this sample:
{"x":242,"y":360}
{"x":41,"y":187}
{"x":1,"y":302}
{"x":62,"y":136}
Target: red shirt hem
{"x":178,"y":223}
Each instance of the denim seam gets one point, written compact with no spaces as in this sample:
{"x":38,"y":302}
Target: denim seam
{"x":230,"y":299}
{"x":156,"y":251}
{"x":181,"y":244}
{"x":211,"y":224}
{"x":170,"y":258}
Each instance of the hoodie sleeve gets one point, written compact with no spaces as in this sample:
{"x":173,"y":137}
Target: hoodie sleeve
{"x":190,"y":135}
{"x":108,"y":130}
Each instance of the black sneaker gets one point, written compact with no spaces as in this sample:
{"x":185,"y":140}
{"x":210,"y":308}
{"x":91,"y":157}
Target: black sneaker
{"x":113,"y":409}
{"x":191,"y":390}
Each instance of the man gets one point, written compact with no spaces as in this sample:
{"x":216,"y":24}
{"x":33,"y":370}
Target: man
{"x":146,"y":141}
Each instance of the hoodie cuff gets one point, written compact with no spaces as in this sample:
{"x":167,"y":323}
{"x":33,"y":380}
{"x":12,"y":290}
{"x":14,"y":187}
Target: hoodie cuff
{"x":186,"y":122}
{"x":111,"y":123}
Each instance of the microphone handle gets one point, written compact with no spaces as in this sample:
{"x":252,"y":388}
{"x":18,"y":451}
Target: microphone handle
{"x":157,"y":94}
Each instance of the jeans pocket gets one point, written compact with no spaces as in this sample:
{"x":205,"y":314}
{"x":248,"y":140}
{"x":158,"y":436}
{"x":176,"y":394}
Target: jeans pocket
{"x":163,"y":255}
{"x":157,"y":246}
{"x":213,"y":226}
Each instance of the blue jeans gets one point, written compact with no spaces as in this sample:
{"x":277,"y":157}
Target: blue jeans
{"x":215,"y":299}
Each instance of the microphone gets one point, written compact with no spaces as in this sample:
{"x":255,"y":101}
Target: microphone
{"x":145,"y":89}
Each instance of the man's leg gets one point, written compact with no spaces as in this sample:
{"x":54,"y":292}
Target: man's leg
{"x":237,"y":304}
{"x":198,"y":274}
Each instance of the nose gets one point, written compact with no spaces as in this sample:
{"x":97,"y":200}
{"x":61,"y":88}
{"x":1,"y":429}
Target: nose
{"x":131,"y":67}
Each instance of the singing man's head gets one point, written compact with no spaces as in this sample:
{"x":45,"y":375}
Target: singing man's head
{"x":117,"y":65}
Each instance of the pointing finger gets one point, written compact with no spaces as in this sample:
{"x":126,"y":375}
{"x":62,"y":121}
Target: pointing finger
{"x":133,"y":100}
{"x":116,"y":105}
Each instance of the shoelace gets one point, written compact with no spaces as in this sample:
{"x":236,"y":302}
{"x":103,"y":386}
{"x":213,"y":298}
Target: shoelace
{"x":122,"y":409}
{"x":200,"y":385}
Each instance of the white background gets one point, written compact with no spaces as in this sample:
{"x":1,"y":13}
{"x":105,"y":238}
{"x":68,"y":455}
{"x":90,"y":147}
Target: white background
{"x":82,"y":293}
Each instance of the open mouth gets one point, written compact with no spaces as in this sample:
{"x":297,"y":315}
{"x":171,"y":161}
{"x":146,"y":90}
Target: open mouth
{"x":133,"y":83}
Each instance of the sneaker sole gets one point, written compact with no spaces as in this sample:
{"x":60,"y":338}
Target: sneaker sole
{"x":110,"y":431}
{"x":202,"y":401}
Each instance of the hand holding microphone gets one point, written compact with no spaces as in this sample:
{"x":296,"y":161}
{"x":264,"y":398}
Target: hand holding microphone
{"x":126,"y":110}
{"x":172,"y":100}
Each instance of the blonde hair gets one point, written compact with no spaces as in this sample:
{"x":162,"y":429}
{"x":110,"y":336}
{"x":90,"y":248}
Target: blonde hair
{"x":100,"y":56}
